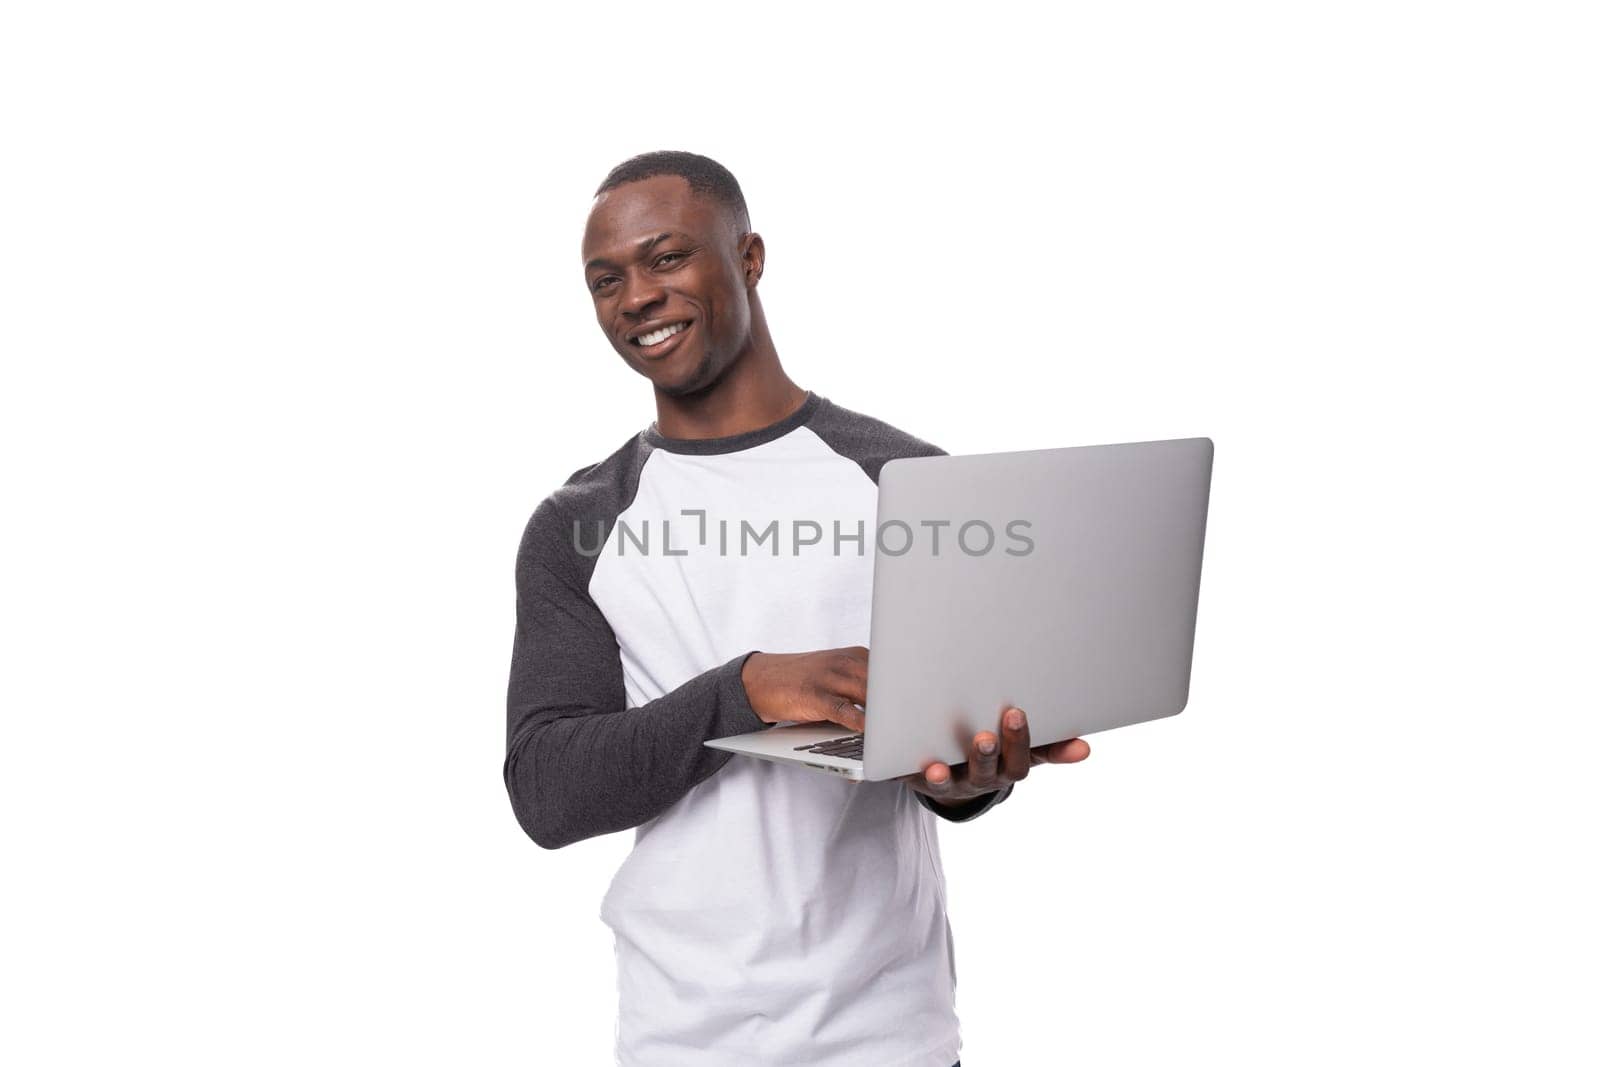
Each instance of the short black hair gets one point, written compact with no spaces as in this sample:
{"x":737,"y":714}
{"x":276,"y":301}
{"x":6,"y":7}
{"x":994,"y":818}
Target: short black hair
{"x":703,"y":175}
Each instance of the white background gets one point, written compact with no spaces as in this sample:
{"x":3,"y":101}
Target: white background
{"x":295,"y":338}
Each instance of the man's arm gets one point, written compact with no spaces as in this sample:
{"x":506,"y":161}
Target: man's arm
{"x":580,"y":762}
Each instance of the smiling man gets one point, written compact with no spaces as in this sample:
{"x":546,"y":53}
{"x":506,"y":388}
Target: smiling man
{"x":766,"y":914}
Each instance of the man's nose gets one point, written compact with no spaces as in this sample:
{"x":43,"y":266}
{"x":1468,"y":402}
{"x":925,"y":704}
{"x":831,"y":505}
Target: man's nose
{"x":641,"y":294}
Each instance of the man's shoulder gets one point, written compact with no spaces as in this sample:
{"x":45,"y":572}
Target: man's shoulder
{"x":595,"y":493}
{"x":594,"y":483}
{"x":871,"y":442}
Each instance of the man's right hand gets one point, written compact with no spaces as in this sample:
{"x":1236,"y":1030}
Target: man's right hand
{"x":821,"y":686}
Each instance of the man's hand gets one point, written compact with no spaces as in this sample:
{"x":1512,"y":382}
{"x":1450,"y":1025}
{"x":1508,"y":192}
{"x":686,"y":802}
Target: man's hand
{"x":828,"y":686}
{"x":993,"y":762}
{"x":821,"y":686}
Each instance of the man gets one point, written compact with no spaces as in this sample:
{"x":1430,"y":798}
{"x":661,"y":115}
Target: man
{"x":767,"y":914}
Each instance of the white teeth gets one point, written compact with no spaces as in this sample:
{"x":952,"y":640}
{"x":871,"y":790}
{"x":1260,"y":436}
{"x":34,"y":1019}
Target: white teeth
{"x":655,"y":337}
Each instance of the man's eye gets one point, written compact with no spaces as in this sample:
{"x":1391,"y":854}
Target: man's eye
{"x":601,"y":283}
{"x":669,"y":256}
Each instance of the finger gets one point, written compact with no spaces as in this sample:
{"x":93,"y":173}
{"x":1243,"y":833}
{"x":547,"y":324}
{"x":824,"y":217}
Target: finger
{"x":844,"y":671}
{"x":1073,"y":751}
{"x":937,"y":780}
{"x":841,"y":698}
{"x":842,"y":711}
{"x":850,"y":688}
{"x":1014,"y":744}
{"x":984,"y":764}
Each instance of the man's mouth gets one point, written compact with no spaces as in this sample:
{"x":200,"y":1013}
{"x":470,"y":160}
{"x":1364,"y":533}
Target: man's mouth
{"x":656,"y":338}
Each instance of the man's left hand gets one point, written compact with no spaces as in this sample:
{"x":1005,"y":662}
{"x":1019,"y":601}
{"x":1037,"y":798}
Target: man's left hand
{"x":993,"y":762}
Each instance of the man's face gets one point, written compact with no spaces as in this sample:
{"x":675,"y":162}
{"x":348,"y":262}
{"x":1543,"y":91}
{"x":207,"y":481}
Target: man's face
{"x":665,"y":270}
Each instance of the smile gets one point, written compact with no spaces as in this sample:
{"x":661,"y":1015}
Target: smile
{"x":656,"y":337}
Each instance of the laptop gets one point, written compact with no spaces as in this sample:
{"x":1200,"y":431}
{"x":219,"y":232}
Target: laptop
{"x":1066,"y":583}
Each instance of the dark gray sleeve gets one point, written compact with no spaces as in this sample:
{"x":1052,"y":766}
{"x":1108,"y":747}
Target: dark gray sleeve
{"x":579,"y":761}
{"x":871,"y":443}
{"x":967,"y":811}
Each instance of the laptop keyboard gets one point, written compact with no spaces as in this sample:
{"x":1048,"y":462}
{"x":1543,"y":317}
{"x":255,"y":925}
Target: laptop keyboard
{"x":843,"y":747}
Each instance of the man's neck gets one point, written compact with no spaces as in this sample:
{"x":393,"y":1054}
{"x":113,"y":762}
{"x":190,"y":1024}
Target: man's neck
{"x":753,"y":394}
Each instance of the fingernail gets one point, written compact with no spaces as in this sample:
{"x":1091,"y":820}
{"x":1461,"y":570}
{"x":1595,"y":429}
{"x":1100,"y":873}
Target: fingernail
{"x":1014,"y":718}
{"x":986,"y":747}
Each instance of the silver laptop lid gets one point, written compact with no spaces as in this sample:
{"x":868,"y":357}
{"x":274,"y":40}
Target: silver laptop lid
{"x":1062,"y":581}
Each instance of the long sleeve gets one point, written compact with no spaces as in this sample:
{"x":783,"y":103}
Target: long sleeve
{"x":579,"y":761}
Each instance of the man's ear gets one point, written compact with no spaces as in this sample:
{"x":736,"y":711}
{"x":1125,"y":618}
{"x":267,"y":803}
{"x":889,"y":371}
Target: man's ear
{"x":752,"y":258}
